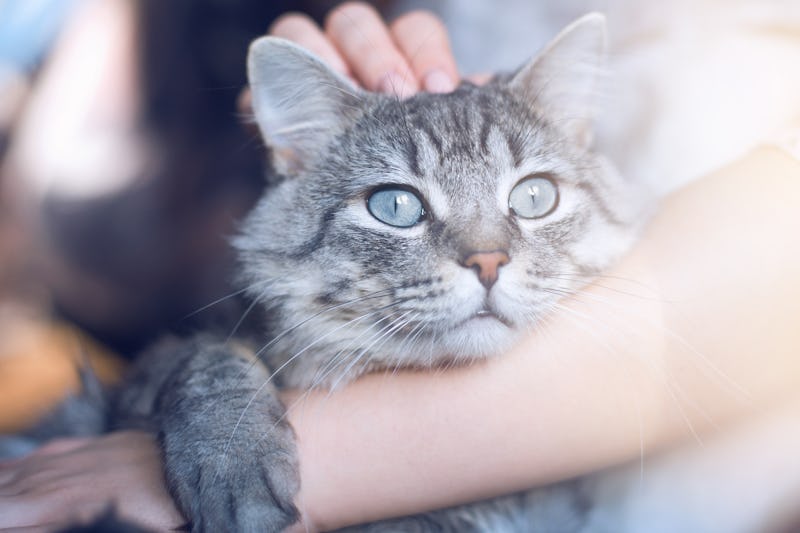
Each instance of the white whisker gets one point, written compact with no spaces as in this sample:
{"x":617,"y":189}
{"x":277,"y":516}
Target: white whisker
{"x":223,"y":298}
{"x":347,"y":349}
{"x":673,"y":389}
{"x":724,"y":378}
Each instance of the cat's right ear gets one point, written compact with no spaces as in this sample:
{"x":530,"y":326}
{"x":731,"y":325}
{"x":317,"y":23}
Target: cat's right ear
{"x":300,"y":104}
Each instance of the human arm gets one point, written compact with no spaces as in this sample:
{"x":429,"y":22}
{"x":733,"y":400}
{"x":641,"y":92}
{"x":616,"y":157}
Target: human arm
{"x":77,"y":479}
{"x":552,"y":344}
{"x":722,"y":278}
{"x":695,"y":329}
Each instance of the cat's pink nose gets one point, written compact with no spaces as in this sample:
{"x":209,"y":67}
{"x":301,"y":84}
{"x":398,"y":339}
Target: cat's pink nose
{"x":487,"y":265}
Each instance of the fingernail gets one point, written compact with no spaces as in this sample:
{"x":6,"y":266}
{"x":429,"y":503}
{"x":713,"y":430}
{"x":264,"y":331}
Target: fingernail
{"x":396,"y":85}
{"x":437,"y":81}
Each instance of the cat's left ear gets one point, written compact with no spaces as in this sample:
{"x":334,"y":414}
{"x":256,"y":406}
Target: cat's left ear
{"x":300,"y":104}
{"x":563,"y":81}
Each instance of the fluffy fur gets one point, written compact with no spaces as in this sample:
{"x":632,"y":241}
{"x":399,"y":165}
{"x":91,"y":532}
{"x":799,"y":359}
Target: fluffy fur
{"x":346,"y":293}
{"x":382,"y":296}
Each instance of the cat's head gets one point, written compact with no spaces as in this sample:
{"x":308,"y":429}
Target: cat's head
{"x":433,"y":229}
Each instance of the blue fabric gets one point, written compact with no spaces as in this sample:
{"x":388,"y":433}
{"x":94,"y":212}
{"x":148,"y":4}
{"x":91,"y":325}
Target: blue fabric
{"x":28,"y":28}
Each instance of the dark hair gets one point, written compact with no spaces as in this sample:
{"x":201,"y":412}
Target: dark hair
{"x":158,"y":250}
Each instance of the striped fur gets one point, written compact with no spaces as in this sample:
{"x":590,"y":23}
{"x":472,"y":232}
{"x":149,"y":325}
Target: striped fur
{"x":401,"y":296}
{"x":346,"y":293}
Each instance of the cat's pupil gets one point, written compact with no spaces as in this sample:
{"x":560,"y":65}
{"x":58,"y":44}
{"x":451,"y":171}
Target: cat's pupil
{"x":400,"y":200}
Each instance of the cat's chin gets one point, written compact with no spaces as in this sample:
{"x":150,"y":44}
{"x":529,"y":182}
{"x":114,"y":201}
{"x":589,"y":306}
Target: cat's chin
{"x":480,"y":336}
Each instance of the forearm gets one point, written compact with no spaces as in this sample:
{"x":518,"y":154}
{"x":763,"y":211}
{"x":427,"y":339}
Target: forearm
{"x":704,"y":334}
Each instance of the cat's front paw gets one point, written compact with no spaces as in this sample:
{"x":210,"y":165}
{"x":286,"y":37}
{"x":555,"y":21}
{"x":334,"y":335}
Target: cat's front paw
{"x":229,"y":454}
{"x":241,"y":480}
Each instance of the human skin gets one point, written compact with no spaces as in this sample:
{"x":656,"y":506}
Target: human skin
{"x":574,"y":396}
{"x":411,"y":53}
{"x":693,"y":331}
{"x":705,"y":302}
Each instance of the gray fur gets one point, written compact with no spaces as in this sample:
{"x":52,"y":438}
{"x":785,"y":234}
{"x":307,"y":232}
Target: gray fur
{"x":347,"y":294}
{"x":229,"y":454}
{"x":400,"y":296}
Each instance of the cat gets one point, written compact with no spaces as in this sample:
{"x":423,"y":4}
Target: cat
{"x":418,"y":233}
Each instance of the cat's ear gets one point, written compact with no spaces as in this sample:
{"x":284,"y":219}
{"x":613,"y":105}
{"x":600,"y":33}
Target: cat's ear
{"x":299,"y":103}
{"x":563,"y":81}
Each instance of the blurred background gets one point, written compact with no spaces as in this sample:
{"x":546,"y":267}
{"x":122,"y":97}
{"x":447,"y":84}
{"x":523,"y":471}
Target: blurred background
{"x":124,"y":167}
{"x":125,"y":164}
{"x":125,"y":155}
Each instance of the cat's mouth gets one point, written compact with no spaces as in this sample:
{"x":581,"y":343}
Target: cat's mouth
{"x":489,"y":314}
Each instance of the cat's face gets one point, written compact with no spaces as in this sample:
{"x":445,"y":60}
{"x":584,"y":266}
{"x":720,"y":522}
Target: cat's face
{"x":412,"y":233}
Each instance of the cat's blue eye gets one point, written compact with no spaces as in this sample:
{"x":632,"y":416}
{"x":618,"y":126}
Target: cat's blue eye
{"x":533,"y":197}
{"x":396,"y":207}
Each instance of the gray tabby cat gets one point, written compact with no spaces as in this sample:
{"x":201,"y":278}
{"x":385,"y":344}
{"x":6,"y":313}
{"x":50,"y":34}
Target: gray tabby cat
{"x":416,"y":233}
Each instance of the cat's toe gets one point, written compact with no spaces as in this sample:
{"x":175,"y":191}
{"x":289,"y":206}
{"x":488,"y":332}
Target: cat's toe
{"x":251,"y":493}
{"x":250,"y":497}
{"x":233,"y":473}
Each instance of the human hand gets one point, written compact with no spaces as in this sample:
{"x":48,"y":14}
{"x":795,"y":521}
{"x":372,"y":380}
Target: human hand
{"x":410,"y":54}
{"x":72,"y":480}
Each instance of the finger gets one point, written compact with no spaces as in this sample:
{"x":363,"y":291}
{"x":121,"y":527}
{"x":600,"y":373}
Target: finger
{"x":301,"y":29}
{"x":59,"y":446}
{"x":481,"y":78}
{"x":48,"y":507}
{"x":63,"y":445}
{"x":423,"y":40}
{"x":358,"y":32}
